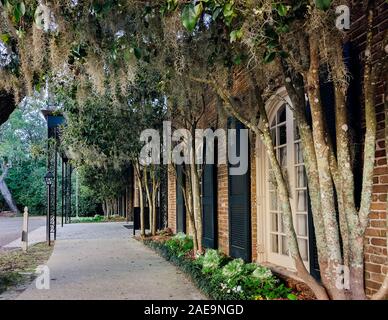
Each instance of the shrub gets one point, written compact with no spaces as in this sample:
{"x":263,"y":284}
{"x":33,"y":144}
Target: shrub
{"x":262,"y":273}
{"x":210,"y":261}
{"x":180,"y":244}
{"x":98,"y":217}
{"x":218,"y":276}
{"x":233,"y":269}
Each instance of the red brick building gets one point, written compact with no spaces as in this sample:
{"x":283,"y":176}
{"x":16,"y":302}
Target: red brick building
{"x":260,"y":217}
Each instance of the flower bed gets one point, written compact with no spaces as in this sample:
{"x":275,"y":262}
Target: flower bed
{"x":219,"y":276}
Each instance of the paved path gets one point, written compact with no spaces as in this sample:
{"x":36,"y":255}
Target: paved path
{"x":102,"y":261}
{"x":11,"y":228}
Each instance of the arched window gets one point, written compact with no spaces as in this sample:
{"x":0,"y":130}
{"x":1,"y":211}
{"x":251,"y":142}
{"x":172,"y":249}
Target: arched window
{"x":287,"y":144}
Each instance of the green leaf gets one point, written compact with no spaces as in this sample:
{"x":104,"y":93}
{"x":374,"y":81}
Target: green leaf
{"x":228,"y":9}
{"x":38,"y":17}
{"x":5,"y":38}
{"x":235,"y":35}
{"x":190,"y":15}
{"x":283,"y":28}
{"x":291,"y":296}
{"x":198,"y":10}
{"x":281,"y":9}
{"x":269,"y":56}
{"x":283,"y":54}
{"x":172,"y":4}
{"x":238,"y":60}
{"x":19,"y":11}
{"x":323,"y":4}
{"x":22,"y":8}
{"x":8,"y":6}
{"x":137,"y":52}
{"x":272,"y":44}
{"x":216,"y":13}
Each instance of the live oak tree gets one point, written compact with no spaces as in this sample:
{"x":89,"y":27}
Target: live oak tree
{"x":277,"y":34}
{"x":95,"y":46}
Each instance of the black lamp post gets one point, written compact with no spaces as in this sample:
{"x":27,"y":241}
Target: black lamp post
{"x":49,"y":179}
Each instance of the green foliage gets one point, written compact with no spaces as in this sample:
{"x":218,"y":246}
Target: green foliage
{"x":323,"y":4}
{"x":9,"y":279}
{"x":96,"y":218}
{"x":180,"y":244}
{"x":190,"y":15}
{"x":233,"y":269}
{"x":223,"y":279}
{"x":236,"y":35}
{"x":211,"y":261}
{"x":25,"y":181}
{"x":261,"y":273}
{"x":22,"y":145}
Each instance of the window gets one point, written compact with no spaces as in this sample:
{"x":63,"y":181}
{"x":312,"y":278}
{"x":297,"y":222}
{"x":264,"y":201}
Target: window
{"x":287,"y":145}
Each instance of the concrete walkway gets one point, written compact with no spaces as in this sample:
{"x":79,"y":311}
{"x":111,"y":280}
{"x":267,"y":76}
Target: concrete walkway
{"x":11,"y":230}
{"x":101,"y":261}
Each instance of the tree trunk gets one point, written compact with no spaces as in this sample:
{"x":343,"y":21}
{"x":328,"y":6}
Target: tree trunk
{"x":189,"y":202}
{"x":196,"y":193}
{"x":8,"y":196}
{"x":104,"y":208}
{"x":149,"y":199}
{"x":154,"y":194}
{"x":141,"y":199}
{"x":154,"y":221}
{"x":327,"y":197}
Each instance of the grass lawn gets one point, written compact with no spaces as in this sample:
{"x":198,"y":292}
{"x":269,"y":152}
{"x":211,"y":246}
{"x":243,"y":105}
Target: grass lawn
{"x":15,"y":264}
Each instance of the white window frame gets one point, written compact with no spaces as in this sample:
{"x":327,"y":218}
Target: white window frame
{"x":264,"y":253}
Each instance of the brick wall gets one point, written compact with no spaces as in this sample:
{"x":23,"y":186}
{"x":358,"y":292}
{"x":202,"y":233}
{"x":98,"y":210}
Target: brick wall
{"x":376,"y":235}
{"x":222,"y":208}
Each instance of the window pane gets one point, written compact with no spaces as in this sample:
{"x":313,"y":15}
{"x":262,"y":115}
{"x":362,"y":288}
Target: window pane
{"x":273,"y":136}
{"x":282,"y":156}
{"x":274,"y":222}
{"x":282,"y":132}
{"x":296,"y":132}
{"x":274,"y":243}
{"x":301,"y":180}
{"x":298,"y":153}
{"x":284,"y":245}
{"x":301,"y":201}
{"x":301,"y":225}
{"x":281,"y":222}
{"x":282,"y":114}
{"x":303,"y":248}
{"x":274,"y":201}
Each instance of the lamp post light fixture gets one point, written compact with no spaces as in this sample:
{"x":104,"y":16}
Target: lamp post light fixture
{"x":49,"y":179}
